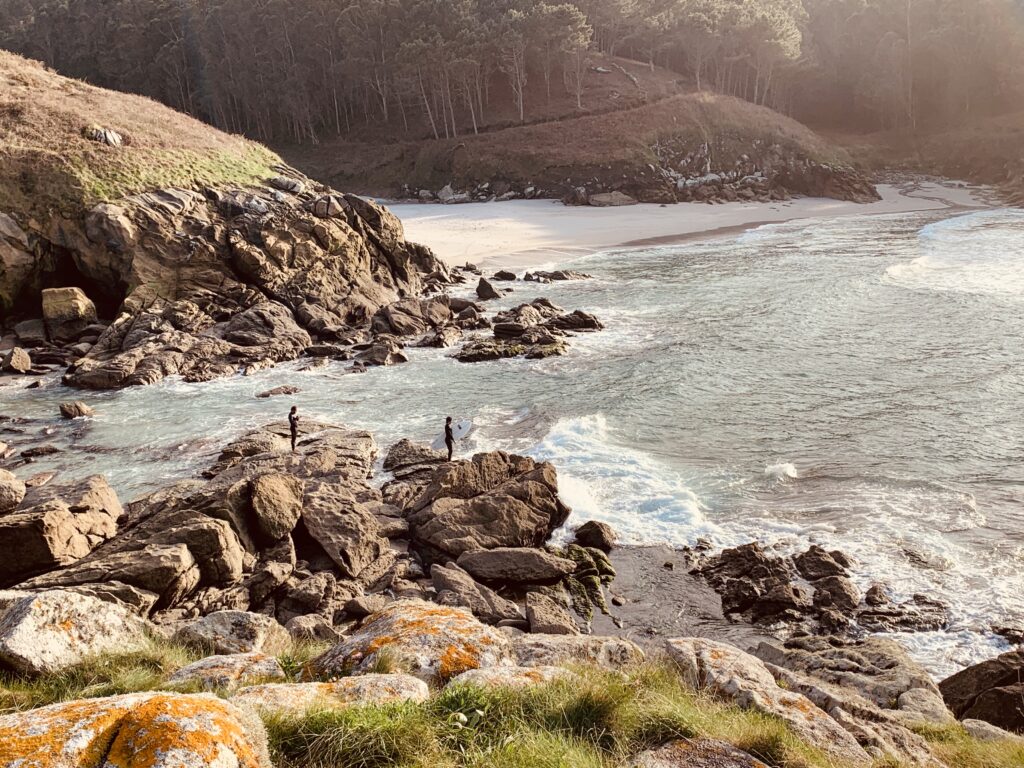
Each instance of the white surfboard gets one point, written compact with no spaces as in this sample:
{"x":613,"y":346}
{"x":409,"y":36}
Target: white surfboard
{"x":460,"y":429}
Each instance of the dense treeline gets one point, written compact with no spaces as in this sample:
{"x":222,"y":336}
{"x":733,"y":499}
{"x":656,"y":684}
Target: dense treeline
{"x":303,"y":70}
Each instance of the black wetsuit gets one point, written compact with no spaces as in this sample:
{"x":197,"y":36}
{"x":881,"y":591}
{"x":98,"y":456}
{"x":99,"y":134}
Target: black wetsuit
{"x":449,"y":440}
{"x":293,"y":422}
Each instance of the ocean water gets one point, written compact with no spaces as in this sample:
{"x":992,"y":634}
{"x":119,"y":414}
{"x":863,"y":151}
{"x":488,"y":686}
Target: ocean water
{"x":856,"y":382}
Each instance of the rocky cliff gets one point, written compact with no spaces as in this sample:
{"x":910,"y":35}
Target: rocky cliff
{"x":136,"y":243}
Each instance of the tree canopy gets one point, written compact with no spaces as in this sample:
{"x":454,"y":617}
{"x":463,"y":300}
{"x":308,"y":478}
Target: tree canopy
{"x":305,"y":70}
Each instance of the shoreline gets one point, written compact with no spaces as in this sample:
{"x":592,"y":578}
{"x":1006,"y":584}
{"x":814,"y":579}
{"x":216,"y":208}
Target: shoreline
{"x":530,"y":234}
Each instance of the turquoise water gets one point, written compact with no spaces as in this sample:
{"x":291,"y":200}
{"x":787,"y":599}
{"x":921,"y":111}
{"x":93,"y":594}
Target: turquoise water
{"x":855,"y":382}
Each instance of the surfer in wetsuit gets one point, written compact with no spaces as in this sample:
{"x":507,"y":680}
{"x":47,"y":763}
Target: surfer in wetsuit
{"x":449,"y":438}
{"x":293,"y":423}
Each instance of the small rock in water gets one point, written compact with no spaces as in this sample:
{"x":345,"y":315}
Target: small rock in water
{"x":39,"y":451}
{"x":16,"y":361}
{"x":276,"y":391}
{"x":486,"y":291}
{"x":505,"y":276}
{"x":76,"y":410}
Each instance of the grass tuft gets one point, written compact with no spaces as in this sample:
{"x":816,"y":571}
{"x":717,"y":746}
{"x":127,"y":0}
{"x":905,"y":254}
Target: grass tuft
{"x":106,"y":675}
{"x":956,"y":747}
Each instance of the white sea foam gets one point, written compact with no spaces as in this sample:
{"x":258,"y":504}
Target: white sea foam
{"x":979,"y":253}
{"x":781,"y":472}
{"x":645,"y":501}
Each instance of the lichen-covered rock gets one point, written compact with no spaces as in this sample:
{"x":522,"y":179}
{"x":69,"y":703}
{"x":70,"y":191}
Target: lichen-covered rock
{"x":512,"y":677}
{"x":743,"y":679}
{"x":146,"y":730}
{"x":877,"y":668}
{"x":50,"y":631}
{"x":312,"y":627}
{"x":362,"y":690}
{"x":983,"y":731}
{"x":227,"y":672}
{"x":12,"y":491}
{"x":557,"y":650}
{"x":230,"y":632}
{"x":434,"y":642}
{"x":698,"y":753}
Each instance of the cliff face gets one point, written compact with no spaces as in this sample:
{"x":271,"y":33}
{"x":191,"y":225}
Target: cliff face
{"x":203,"y":254}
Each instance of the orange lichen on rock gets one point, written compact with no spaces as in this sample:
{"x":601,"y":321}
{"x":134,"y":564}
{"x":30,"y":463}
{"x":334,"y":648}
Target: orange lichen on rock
{"x":151,"y":730}
{"x":437,"y":642}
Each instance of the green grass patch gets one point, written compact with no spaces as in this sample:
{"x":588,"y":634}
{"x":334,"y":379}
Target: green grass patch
{"x":956,"y":747}
{"x":598,"y":719}
{"x":106,"y":675}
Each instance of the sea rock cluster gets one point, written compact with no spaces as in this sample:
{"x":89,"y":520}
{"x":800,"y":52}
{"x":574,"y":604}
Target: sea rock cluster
{"x":202,"y":284}
{"x":812,"y":591}
{"x":269,"y":539}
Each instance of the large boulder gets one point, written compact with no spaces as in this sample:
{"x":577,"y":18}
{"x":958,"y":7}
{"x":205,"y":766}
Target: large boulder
{"x":258,"y":278}
{"x":741,"y":678}
{"x":613,"y":653}
{"x":223,"y":673}
{"x":548,"y":617}
{"x":455,"y":587}
{"x":360,"y":691}
{"x":51,"y":631}
{"x":434,"y":642}
{"x":343,"y":526}
{"x":515,"y":565}
{"x":16,"y":360}
{"x":877,"y":668}
{"x":610,"y":199}
{"x":596,"y":535}
{"x":142,"y":730}
{"x":12,"y":491}
{"x":991,"y":691}
{"x":57,"y":526}
{"x":512,"y":677}
{"x":277,"y":503}
{"x":67,"y":312}
{"x":232,"y":632}
{"x":495,"y":500}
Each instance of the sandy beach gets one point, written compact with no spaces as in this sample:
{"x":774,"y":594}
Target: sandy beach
{"x":521,"y":234}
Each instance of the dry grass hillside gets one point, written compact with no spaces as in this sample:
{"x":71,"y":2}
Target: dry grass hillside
{"x":47,"y":163}
{"x":988,"y":152}
{"x":547,"y":154}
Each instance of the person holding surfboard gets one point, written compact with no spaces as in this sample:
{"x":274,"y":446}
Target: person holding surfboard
{"x":449,"y":437}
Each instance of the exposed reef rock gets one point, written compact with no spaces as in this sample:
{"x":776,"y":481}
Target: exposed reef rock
{"x":204,"y":283}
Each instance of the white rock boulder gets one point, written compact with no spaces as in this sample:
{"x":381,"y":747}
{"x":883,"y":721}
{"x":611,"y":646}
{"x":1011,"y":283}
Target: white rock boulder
{"x":51,"y":631}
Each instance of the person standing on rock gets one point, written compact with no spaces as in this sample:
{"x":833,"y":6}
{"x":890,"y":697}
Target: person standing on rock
{"x":293,"y":424}
{"x":449,"y":438}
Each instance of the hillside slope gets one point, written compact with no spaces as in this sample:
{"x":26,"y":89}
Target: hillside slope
{"x":206,"y":252}
{"x":661,"y":147}
{"x":988,"y":151}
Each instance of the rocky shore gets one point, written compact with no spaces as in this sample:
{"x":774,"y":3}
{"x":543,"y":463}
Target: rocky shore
{"x":449,"y":568}
{"x":680,"y":171}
